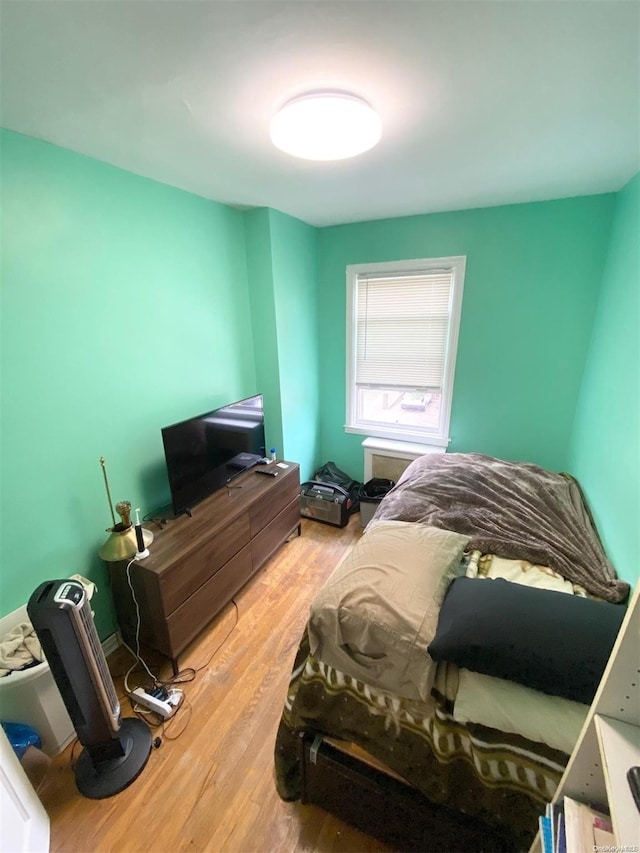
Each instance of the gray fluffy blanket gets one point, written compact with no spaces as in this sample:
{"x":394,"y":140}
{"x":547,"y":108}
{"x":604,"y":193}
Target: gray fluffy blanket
{"x":513,"y":509}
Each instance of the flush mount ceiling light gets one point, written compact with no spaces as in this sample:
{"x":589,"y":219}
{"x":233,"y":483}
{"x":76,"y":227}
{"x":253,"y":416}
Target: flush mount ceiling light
{"x":325,"y":126}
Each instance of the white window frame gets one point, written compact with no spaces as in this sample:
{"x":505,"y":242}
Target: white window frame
{"x":439,"y":437}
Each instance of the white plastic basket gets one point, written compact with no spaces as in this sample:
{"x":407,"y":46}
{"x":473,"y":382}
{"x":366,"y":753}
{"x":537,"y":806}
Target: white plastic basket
{"x":31,"y":696}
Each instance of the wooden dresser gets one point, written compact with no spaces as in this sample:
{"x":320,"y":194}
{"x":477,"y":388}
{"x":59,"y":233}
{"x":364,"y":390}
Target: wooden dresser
{"x":198,"y":563}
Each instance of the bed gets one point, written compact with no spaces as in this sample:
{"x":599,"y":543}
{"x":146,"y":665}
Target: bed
{"x":437,"y":679}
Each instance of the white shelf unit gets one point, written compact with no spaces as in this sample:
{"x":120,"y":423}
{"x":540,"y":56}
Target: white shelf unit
{"x":609,"y":742}
{"x":620,"y":749}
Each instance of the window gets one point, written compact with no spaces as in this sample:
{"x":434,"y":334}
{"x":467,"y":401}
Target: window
{"x":402,"y":335}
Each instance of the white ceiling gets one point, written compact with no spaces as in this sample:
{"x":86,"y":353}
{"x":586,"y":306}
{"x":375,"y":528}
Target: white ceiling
{"x":482,"y":103}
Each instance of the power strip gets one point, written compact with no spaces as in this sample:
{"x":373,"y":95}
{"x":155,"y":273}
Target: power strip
{"x":164,"y":709}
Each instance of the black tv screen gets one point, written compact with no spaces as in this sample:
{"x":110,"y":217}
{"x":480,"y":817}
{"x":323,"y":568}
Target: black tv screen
{"x":207,"y":451}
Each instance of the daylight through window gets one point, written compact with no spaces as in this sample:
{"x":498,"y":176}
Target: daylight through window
{"x":402,"y":332}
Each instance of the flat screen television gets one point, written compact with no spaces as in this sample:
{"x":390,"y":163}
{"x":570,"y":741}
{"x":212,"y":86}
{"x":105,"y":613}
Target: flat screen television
{"x":207,"y":451}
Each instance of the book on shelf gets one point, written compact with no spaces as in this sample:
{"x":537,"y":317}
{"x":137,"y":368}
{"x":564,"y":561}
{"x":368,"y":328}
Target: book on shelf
{"x":585,"y":828}
{"x":552,"y":829}
{"x":560,"y":844}
{"x":546,"y":834}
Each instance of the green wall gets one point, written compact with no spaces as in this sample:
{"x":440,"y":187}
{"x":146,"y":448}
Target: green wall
{"x":532,"y":279}
{"x":128,"y":305}
{"x":282,"y":266}
{"x":605,"y":447}
{"x":294,"y":247}
{"x":263,"y":321}
{"x":124,"y":309}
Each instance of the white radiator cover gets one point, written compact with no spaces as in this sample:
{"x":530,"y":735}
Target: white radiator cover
{"x":388,"y":459}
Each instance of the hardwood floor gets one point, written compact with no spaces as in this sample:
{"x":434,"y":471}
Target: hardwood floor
{"x":210,"y":785}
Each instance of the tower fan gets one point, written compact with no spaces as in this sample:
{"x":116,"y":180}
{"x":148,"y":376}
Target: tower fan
{"x":115,"y":749}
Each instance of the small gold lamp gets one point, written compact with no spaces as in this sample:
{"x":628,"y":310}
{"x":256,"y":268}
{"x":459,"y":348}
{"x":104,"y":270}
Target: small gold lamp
{"x":122,"y":543}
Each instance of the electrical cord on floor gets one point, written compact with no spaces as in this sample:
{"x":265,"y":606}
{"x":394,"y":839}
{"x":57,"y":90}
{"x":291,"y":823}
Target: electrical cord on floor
{"x":189,"y":673}
{"x":136,"y":654}
{"x":72,"y":757}
{"x":184,"y":676}
{"x":167,"y":724}
{"x":230,"y":632}
{"x":155,"y":720}
{"x":152,"y":719}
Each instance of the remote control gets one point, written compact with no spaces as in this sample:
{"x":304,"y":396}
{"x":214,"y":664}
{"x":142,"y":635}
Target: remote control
{"x":266,"y":471}
{"x":633,"y":778}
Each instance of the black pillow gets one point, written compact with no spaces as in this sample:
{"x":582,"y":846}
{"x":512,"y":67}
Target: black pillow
{"x":551,"y":641}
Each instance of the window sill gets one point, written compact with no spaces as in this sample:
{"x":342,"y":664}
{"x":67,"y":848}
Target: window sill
{"x":397,"y":437}
{"x":401,"y":448}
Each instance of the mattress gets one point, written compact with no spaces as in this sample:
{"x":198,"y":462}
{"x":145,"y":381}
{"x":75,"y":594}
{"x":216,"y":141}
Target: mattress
{"x":483,"y":759}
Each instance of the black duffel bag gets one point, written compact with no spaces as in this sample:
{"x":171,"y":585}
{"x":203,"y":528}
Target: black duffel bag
{"x":330,"y":473}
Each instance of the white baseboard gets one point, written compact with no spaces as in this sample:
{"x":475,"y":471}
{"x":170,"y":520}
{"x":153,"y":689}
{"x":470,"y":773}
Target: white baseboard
{"x":111,"y":644}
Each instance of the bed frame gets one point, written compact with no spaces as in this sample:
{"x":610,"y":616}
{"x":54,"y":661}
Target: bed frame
{"x":326,"y":772}
{"x":377,"y":801}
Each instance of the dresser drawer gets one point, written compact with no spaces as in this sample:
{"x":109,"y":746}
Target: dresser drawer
{"x":274,"y":534}
{"x":198,"y":565}
{"x":191,"y":617}
{"x":285,"y":489}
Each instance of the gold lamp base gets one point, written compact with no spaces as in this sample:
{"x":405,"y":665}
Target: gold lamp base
{"x":122,"y":543}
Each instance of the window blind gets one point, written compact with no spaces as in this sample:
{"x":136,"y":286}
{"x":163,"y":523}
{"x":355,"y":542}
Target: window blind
{"x":401,"y":329}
